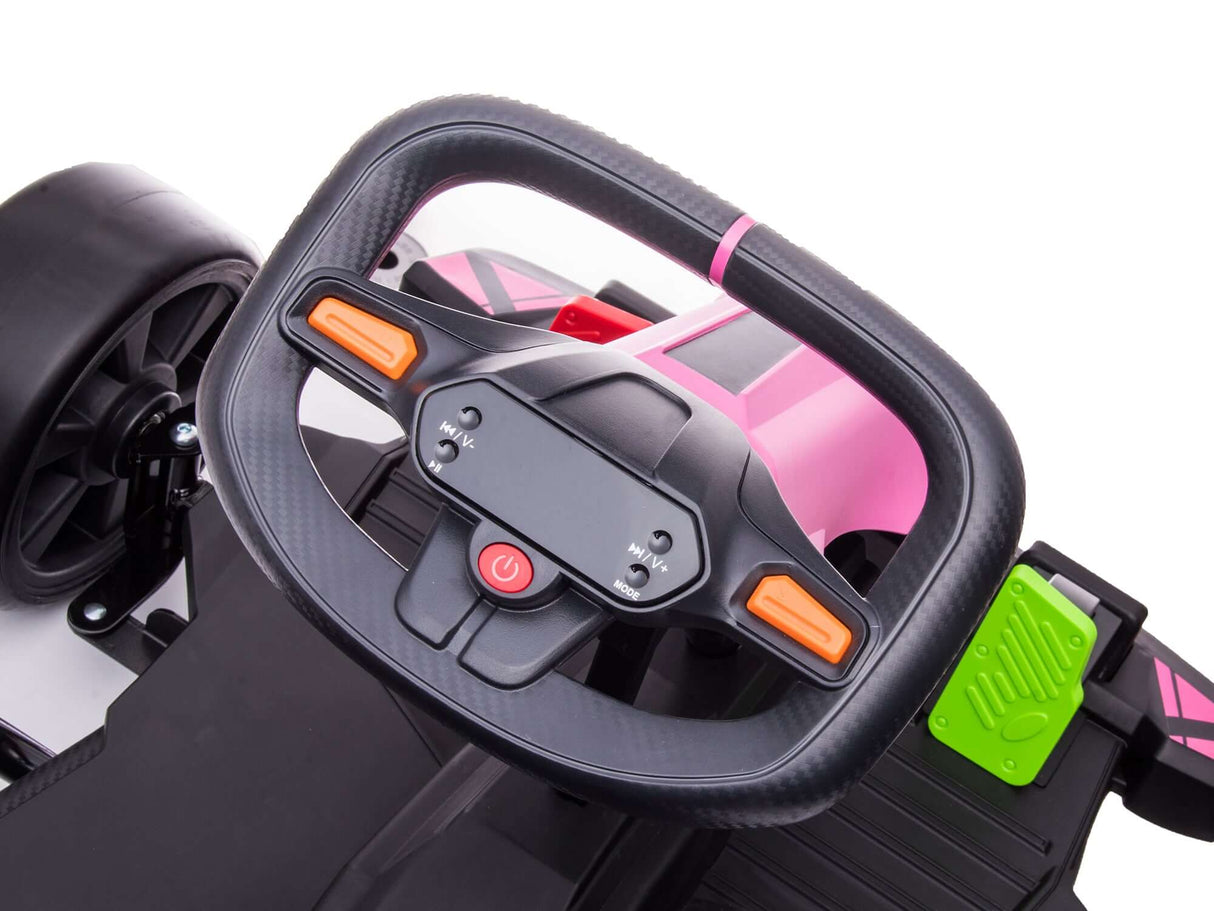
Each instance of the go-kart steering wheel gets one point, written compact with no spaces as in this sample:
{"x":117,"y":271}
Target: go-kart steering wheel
{"x":578,"y":485}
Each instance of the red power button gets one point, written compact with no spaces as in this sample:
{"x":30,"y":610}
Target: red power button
{"x":504,"y":567}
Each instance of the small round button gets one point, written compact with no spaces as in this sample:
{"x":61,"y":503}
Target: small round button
{"x":469,"y":418}
{"x":637,"y":575}
{"x":505,"y":568}
{"x":659,"y":542}
{"x":445,"y":451}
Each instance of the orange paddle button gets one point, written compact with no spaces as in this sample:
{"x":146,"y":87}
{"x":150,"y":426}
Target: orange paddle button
{"x":795,"y":612}
{"x":387,"y":348}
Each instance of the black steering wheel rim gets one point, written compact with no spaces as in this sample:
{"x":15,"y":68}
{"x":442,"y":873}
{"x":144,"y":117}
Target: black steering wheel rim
{"x":777,"y":766}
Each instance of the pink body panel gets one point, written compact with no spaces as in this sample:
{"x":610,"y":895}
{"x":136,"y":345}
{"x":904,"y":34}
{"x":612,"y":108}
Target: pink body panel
{"x":842,"y":461}
{"x":456,"y":269}
{"x":524,"y":291}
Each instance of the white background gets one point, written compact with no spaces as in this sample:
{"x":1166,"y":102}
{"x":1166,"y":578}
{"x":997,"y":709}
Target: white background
{"x":1033,"y":188}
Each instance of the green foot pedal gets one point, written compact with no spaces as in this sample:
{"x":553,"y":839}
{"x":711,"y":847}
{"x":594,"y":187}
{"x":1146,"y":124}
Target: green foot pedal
{"x":1020,"y":680}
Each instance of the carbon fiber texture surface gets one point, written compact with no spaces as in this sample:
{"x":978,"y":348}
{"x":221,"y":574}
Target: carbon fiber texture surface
{"x":37,"y":781}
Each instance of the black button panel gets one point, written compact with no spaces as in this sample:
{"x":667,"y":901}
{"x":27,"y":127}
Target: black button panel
{"x":586,"y":512}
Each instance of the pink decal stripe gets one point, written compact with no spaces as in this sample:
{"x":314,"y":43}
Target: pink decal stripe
{"x":1194,"y":704}
{"x":456,"y":269}
{"x":729,"y":242}
{"x":1202,"y":746}
{"x":1167,"y":689}
{"x":523,"y":287}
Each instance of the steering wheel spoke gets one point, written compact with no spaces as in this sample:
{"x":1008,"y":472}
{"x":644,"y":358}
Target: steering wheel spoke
{"x":790,"y":604}
{"x":389,"y":346}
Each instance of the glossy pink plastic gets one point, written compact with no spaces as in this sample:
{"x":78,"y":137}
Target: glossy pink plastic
{"x":842,"y":461}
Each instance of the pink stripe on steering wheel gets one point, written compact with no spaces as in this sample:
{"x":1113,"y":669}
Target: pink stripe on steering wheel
{"x":729,"y":242}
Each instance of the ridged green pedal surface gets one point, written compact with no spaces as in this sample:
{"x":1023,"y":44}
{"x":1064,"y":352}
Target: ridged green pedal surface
{"x":1019,"y":682}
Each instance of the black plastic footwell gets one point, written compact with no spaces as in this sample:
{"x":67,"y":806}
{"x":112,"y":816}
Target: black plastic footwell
{"x":927,"y":830}
{"x":254,"y":766}
{"x":224,"y":777}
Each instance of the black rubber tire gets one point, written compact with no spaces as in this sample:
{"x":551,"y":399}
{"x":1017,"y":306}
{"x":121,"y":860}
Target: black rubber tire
{"x":89,"y":257}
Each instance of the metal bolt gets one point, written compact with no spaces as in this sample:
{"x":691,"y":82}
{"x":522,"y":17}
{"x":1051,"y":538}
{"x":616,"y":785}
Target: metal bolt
{"x":94,"y":612}
{"x":184,"y":435}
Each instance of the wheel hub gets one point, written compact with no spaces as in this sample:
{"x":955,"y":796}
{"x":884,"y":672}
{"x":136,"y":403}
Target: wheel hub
{"x":109,"y":454}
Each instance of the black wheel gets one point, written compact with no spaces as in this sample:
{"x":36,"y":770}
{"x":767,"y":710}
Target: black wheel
{"x":113,"y":290}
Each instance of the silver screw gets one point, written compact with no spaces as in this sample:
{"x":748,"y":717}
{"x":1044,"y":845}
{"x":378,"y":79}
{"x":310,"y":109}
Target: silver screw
{"x":184,"y":435}
{"x":94,"y":612}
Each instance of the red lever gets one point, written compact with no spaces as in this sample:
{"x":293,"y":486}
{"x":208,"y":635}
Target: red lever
{"x":592,"y":320}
